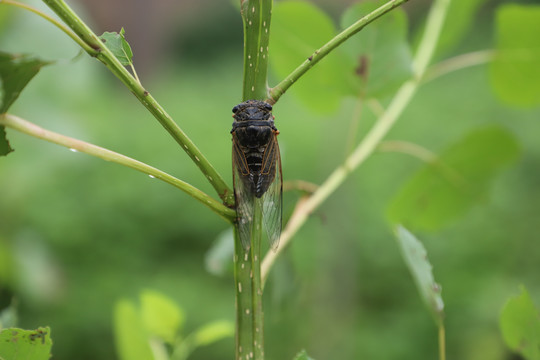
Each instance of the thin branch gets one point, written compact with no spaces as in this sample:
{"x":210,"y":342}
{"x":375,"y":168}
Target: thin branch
{"x":300,"y":185}
{"x":429,"y":157}
{"x":459,"y":62}
{"x":113,"y":64}
{"x":279,"y":89}
{"x":374,"y":136}
{"x":409,"y":148}
{"x":53,"y":21}
{"x":31,"y":129}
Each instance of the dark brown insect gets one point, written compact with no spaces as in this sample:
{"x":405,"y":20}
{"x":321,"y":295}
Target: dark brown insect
{"x":256,"y":169}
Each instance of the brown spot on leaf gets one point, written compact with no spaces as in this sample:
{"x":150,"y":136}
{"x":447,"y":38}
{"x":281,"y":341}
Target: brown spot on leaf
{"x":362,"y":70}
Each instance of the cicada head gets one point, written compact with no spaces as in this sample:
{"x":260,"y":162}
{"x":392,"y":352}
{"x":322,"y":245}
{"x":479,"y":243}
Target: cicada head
{"x":252,"y":110}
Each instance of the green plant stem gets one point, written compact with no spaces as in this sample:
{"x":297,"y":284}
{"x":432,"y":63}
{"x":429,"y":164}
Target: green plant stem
{"x":256,"y":285}
{"x":442,"y":342}
{"x":279,"y":89}
{"x":103,"y":54}
{"x":53,"y":21}
{"x":244,"y":302}
{"x":256,"y":15}
{"x":373,"y":137}
{"x":26,"y":127}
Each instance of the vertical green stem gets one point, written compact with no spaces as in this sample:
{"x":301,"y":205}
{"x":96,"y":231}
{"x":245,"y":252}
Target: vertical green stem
{"x":258,"y":317}
{"x":442,"y":342}
{"x":256,"y":16}
{"x":249,"y":310}
{"x":244,"y":316}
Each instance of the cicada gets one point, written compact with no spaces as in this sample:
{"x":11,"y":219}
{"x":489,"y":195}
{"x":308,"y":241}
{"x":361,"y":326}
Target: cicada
{"x":257,"y":173}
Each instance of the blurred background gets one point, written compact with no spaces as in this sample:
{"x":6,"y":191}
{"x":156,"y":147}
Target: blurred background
{"x":77,"y":233}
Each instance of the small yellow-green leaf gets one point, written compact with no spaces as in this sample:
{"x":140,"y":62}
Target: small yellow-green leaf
{"x":415,"y":256}
{"x":130,"y":336}
{"x":449,"y":186}
{"x":298,"y":29}
{"x":380,"y":58}
{"x":25,"y":344}
{"x":302,"y":355}
{"x":160,"y":315}
{"x":515,"y":72}
{"x":520,"y":325}
{"x":213,"y":332}
{"x":117,"y":43}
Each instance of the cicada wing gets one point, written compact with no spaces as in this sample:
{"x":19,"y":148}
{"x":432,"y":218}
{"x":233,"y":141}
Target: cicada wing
{"x":243,"y":196}
{"x":273,"y":198}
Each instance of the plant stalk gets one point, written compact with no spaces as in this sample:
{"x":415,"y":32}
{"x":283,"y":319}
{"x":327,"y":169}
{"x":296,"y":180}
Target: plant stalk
{"x":256,"y":15}
{"x":103,"y":54}
{"x":26,"y":127}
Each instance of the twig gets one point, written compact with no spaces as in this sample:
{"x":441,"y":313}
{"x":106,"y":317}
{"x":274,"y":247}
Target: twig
{"x":279,"y":89}
{"x":31,"y":129}
{"x":103,"y":54}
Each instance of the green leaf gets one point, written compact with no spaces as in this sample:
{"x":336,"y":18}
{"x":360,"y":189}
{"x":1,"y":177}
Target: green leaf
{"x":520,"y":325}
{"x":15,"y":73}
{"x":380,"y":58}
{"x":130,"y":334}
{"x":446,"y":188}
{"x":515,"y":72}
{"x":5,"y":148}
{"x":117,"y":43}
{"x":213,"y":332}
{"x":160,"y":315}
{"x":297,"y":30}
{"x":25,"y":344}
{"x":302,"y":355}
{"x":415,"y":256}
{"x":458,"y":21}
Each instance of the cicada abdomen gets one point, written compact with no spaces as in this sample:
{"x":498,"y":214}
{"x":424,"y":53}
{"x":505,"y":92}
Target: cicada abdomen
{"x":256,"y":169}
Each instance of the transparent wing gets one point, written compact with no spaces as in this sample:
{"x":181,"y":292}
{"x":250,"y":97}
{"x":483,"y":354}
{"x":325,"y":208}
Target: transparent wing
{"x":244,"y":198}
{"x":272,"y":198}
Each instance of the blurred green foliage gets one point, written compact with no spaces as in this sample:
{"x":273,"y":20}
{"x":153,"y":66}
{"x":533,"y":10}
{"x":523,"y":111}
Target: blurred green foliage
{"x":520,"y":325}
{"x":80,"y":234}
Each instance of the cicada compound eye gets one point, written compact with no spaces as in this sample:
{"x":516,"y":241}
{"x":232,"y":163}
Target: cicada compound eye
{"x":235,"y":109}
{"x":267,"y":106}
